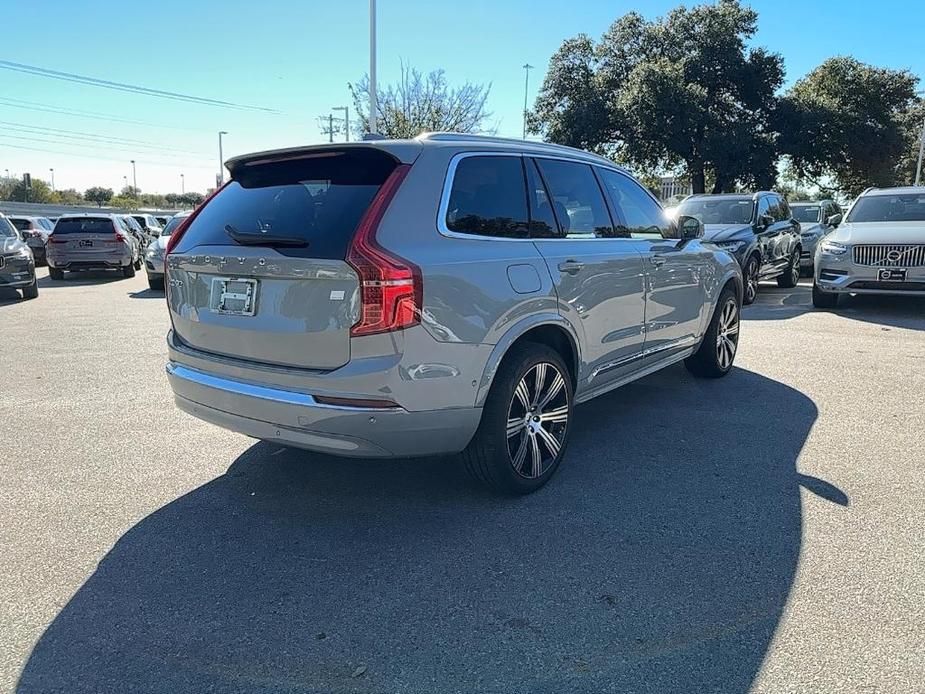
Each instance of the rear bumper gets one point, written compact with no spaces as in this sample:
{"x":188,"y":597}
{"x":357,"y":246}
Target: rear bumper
{"x":112,"y":261}
{"x":295,"y":419}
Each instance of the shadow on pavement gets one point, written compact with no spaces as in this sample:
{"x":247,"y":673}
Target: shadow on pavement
{"x":147,"y":294}
{"x":81,"y":278}
{"x":658,"y":560}
{"x":774,"y":303}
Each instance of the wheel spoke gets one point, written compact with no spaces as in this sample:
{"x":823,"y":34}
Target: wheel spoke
{"x":732,"y":329}
{"x":521,"y":453}
{"x":537,"y":458}
{"x":523,"y":394}
{"x":538,"y":383}
{"x":559,"y":414}
{"x":558,"y":383}
{"x":515,"y":426}
{"x":552,"y":443}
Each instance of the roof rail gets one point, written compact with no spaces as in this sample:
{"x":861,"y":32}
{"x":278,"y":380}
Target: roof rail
{"x":867,"y":190}
{"x":488,"y":139}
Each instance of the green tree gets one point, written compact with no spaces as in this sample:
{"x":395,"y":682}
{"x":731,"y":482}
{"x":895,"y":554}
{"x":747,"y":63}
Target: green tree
{"x":130,"y":192}
{"x":40,"y":191}
{"x":419,"y":103}
{"x":848,"y":121}
{"x":98,"y":195}
{"x":190,"y":199}
{"x":913,"y":126}
{"x":69,"y":196}
{"x":7,"y":183}
{"x":682,"y":93}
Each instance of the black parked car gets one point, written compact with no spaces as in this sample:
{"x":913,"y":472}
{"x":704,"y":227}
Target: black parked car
{"x":757,"y":228}
{"x":17,"y":264}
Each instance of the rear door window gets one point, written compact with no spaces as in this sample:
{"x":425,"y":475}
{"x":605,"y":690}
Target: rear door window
{"x":88,"y":225}
{"x":488,"y":197}
{"x":317,"y":199}
{"x":577,"y":200}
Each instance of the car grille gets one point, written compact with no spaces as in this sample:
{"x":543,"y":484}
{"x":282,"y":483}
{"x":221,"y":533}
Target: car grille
{"x":890,"y":256}
{"x":889,"y":286}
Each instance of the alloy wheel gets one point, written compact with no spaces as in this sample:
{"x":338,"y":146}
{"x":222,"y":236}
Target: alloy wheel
{"x":727,"y":334}
{"x":795,"y":267}
{"x":537,"y":420}
{"x":751,"y":281}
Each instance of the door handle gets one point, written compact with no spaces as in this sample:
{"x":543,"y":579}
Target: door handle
{"x":658,"y":260}
{"x":571,"y":267}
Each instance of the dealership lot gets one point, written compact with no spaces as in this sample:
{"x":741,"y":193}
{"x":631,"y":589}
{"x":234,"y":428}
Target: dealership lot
{"x":758,"y":533}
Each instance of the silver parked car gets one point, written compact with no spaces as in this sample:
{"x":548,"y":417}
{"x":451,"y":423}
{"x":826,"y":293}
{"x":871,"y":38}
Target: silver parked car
{"x":34,"y":231}
{"x":90,"y":242}
{"x":154,"y":255}
{"x":17,"y":264}
{"x":451,"y":293}
{"x":816,"y":220}
{"x":880,"y":249}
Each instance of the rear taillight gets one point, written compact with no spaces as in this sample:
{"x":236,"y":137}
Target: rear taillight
{"x":119,"y":238}
{"x":54,"y":239}
{"x":391,"y":289}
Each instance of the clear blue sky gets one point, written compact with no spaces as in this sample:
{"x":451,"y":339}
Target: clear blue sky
{"x":297,"y":56}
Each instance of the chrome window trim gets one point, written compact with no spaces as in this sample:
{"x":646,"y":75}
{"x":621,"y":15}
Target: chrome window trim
{"x":448,"y":186}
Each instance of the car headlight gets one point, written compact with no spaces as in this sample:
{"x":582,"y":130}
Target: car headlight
{"x":833,"y":248}
{"x":154,"y":253}
{"x":731,"y":246}
{"x":24,"y":252}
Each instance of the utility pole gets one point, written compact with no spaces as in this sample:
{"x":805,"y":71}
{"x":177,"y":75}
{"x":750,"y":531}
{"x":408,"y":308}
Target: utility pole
{"x":134,"y":184}
{"x":373,"y":99}
{"x":52,"y":180}
{"x":221,"y":158}
{"x":346,"y":111}
{"x":182,"y":184}
{"x":527,"y":68}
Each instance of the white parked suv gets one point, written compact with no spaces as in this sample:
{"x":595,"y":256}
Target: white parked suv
{"x":880,"y":249}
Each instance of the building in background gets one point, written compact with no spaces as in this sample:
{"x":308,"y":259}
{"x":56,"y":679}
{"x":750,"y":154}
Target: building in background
{"x":673,"y":188}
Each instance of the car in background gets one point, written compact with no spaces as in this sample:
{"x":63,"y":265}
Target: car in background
{"x":91,"y":242}
{"x":755,"y":228}
{"x":162,"y":220}
{"x":138,"y":234}
{"x":451,"y":293}
{"x":816,"y":220}
{"x":150,"y":225}
{"x":34,"y":231}
{"x":878,"y":249}
{"x":17,"y":264}
{"x":154,"y":254}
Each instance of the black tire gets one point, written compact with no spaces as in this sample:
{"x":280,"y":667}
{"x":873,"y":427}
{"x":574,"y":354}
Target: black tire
{"x":156,"y":283}
{"x":31,"y":292}
{"x":823,"y":299}
{"x":716,"y":354}
{"x":791,"y":275}
{"x":493,"y":454}
{"x":55,"y":274}
{"x":137,"y":264}
{"x":750,"y":278}
{"x":128,"y":270}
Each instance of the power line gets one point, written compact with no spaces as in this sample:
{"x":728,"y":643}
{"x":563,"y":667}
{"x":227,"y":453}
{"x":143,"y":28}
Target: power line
{"x":94,"y":145}
{"x":91,"y":156}
{"x":123,"y":87}
{"x":79,"y":113}
{"x":78,"y":135}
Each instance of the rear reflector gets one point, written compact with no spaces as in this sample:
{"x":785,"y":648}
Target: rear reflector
{"x":52,"y":239}
{"x":365,"y":403}
{"x":391,"y":289}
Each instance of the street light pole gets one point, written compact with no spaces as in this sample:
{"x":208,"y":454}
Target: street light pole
{"x":52,"y":180}
{"x":527,"y":68}
{"x":221,"y":158}
{"x":918,"y":168}
{"x":373,"y":99}
{"x":346,"y":111}
{"x":134,"y":183}
{"x":182,"y":184}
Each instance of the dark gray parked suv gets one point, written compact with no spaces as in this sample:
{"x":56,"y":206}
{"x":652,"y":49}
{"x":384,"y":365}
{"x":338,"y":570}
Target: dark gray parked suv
{"x":758,"y":229}
{"x":445,"y":294}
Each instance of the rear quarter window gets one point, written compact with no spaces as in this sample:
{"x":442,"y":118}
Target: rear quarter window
{"x":319,"y":199}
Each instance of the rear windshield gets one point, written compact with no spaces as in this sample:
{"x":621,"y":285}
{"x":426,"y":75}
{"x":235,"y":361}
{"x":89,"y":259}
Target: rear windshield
{"x":21,"y":224}
{"x":89,"y":225}
{"x":319,"y":200}
{"x":889,"y":208}
{"x":805,"y":213}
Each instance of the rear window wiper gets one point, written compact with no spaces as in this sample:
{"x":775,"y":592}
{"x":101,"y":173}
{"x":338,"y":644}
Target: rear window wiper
{"x":264,"y":239}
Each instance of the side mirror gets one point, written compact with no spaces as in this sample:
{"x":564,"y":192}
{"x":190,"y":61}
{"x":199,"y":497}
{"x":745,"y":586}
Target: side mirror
{"x":689,"y":227}
{"x":834,"y":220}
{"x":764,"y":221}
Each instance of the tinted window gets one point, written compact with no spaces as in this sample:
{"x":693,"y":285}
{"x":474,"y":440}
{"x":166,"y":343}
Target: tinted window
{"x":807,"y":214}
{"x":172,"y":224}
{"x":488,"y":197}
{"x":717,"y":210}
{"x":6,"y":229}
{"x":46,"y":223}
{"x":542,"y":221}
{"x":764,"y":207}
{"x":576,"y":198}
{"x":85,"y":225}
{"x":142,"y":222}
{"x":318,"y":199}
{"x":909,"y":207}
{"x":783,"y":210}
{"x":21,"y":224}
{"x":640,"y":216}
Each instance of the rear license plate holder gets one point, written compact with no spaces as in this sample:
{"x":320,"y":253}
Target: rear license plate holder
{"x":234,"y":296}
{"x":85,"y":243}
{"x":891,"y":274}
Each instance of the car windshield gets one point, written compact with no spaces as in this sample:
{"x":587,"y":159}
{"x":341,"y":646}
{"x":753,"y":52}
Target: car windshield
{"x":806,"y":213}
{"x":6,"y":229}
{"x":908,"y":207}
{"x":718,"y":210}
{"x":172,"y":224}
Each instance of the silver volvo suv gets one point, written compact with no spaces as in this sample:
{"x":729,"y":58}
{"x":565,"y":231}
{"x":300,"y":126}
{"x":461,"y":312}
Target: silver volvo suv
{"x":447,"y":294}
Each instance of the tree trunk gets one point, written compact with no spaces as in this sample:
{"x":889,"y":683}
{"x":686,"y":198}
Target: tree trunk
{"x":698,"y":177}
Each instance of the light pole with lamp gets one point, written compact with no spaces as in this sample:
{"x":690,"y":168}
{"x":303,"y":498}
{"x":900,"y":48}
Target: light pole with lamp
{"x":182,"y":184}
{"x":527,"y":68}
{"x":52,"y":180}
{"x":346,"y":111}
{"x":221,"y":158}
{"x":134,"y":183}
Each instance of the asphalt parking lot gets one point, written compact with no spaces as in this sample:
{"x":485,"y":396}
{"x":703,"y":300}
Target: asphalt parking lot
{"x":759,"y":533}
